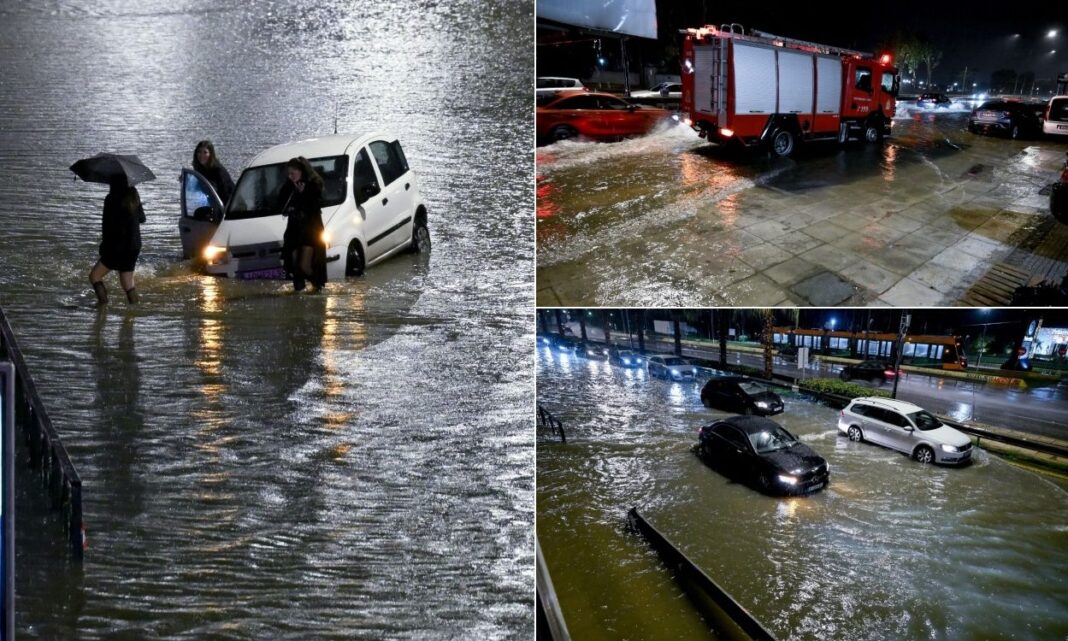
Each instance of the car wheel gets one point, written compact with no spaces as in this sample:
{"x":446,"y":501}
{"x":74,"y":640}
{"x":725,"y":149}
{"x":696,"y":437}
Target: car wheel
{"x":845,"y":376}
{"x":1015,"y":133}
{"x":420,"y":237}
{"x":747,"y":411}
{"x":924,"y":454}
{"x":354,"y":262}
{"x":765,"y":481}
{"x":563,"y":132}
{"x":855,"y":434}
{"x":881,"y":380}
{"x":782,"y":143}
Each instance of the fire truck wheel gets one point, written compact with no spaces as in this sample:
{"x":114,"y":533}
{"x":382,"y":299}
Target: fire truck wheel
{"x":782,"y":143}
{"x":563,"y":132}
{"x":873,"y":132}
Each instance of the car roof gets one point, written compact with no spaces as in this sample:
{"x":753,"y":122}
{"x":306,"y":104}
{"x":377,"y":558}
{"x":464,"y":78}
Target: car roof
{"x":571,"y":94}
{"x":750,"y":424}
{"x":889,"y":403}
{"x":333,"y":145}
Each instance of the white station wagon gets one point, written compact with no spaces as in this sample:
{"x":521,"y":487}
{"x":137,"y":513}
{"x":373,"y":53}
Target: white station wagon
{"x":371,"y":208}
{"x":904,"y":427}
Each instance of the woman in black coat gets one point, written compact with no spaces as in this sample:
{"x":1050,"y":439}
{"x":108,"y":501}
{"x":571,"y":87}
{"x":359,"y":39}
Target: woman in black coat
{"x":120,"y":242}
{"x":303,"y":246}
{"x":207,"y":164}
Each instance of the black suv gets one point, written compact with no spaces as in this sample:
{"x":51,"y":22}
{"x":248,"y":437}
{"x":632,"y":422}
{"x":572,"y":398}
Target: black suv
{"x":1013,"y":119}
{"x":741,"y":396}
{"x":934,"y":100}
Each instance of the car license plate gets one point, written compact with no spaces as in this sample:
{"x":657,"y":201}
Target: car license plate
{"x":1062,"y":127}
{"x":276,"y":272}
{"x":986,"y":115}
{"x":817,"y":486}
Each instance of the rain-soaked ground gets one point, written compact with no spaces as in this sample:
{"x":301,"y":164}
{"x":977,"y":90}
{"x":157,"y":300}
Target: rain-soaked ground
{"x":668,"y":219}
{"x":890,"y":549}
{"x":259,"y":464}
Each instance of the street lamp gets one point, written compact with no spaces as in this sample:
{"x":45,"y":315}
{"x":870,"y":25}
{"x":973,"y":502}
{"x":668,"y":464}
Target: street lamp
{"x":1052,"y":33}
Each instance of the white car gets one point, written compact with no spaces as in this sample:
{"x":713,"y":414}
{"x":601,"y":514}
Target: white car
{"x":662,"y":90}
{"x":671,"y":367}
{"x":905,"y":427}
{"x":371,"y":208}
{"x":553,"y":84}
{"x":1055,"y":120}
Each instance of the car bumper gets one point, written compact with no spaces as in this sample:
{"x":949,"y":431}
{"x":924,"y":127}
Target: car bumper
{"x":1055,"y":128}
{"x":807,"y":486}
{"x":954,"y":458}
{"x":769,"y":411}
{"x":263,"y":260}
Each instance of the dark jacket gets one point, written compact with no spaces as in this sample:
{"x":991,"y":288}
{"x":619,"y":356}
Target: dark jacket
{"x":304,"y":227}
{"x":120,"y":242}
{"x":219,"y":178}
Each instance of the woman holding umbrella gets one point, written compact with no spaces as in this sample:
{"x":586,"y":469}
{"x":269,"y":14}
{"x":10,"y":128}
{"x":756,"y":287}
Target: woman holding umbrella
{"x":120,"y":243}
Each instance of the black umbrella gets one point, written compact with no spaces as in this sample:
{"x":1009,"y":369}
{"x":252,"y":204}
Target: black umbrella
{"x":105,"y":167}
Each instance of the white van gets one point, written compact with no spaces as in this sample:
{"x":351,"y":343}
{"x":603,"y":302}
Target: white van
{"x":371,"y":208}
{"x":1055,"y":120}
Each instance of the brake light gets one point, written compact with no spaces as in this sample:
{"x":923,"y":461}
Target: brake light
{"x":889,"y":373}
{"x":726,"y":133}
{"x":1064,"y":175}
{"x":885,"y":59}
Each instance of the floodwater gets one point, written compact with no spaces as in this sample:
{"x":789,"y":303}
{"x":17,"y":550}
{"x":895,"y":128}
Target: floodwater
{"x":668,"y":219}
{"x":889,"y":550}
{"x":259,"y":464}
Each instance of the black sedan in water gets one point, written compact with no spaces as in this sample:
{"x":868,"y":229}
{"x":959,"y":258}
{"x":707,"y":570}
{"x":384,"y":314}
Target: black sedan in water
{"x":874,"y":371}
{"x":761,"y":453}
{"x":741,"y":396}
{"x":1006,"y":117}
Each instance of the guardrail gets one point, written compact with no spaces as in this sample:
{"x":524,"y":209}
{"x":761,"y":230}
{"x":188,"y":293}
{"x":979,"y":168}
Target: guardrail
{"x":731,"y":619}
{"x":546,"y":419}
{"x":550,"y":624}
{"x":61,"y":479}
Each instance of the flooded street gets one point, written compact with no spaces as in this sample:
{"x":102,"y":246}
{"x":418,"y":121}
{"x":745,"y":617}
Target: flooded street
{"x":258,"y":464}
{"x":890,"y":549}
{"x":667,"y":219}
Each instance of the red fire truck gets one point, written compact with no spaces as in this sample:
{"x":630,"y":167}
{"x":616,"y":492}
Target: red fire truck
{"x":765,"y":90}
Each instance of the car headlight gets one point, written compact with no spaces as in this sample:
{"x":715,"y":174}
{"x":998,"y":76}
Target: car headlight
{"x":950,"y":448}
{"x":762,"y":405}
{"x":789,"y":480}
{"x":211,"y":252}
{"x":326,"y":238}
{"x":626,"y":361}
{"x":674,"y":372}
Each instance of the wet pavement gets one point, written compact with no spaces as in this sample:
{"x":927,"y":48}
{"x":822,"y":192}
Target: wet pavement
{"x":891,"y":549}
{"x":356,"y":464}
{"x":668,"y":219}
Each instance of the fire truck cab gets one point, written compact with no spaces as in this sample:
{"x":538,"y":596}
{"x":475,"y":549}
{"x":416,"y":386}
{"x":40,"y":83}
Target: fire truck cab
{"x":759,"y":89}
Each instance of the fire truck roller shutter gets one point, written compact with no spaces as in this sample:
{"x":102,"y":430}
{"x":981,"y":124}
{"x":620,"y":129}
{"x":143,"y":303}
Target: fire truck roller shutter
{"x":755,"y":88}
{"x":796,"y":85}
{"x":703,"y":81}
{"x":828,"y":93}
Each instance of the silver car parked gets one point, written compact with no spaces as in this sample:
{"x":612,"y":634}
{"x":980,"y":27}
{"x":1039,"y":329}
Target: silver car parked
{"x":904,"y":427}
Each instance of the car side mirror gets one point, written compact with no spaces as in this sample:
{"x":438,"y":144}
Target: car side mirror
{"x":366,"y":192}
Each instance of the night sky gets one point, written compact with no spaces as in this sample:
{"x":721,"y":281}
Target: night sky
{"x":976,"y":34}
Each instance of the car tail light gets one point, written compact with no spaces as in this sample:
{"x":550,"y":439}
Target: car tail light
{"x":726,"y":133}
{"x":1064,"y":175}
{"x":889,"y":373}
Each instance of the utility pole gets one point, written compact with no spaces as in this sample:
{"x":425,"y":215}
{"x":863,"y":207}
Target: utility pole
{"x":903,"y":329}
{"x":678,"y":333}
{"x":641,"y":331}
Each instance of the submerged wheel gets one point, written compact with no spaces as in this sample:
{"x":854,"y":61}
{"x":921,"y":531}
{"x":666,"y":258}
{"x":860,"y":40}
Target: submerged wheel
{"x":845,"y":375}
{"x":782,"y":143}
{"x":924,"y":454}
{"x":354,"y":261}
{"x":420,"y":238}
{"x":765,"y":481}
{"x":1015,"y":133}
{"x":562,"y":132}
{"x":855,"y":434}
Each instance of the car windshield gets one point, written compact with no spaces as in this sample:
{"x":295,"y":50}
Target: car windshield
{"x":925,"y":421}
{"x":771,"y":440}
{"x":257,"y":190}
{"x":752,"y":388}
{"x":674,"y":361}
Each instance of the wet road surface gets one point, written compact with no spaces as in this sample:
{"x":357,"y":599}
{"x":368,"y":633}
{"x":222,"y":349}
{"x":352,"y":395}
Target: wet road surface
{"x":258,"y":464}
{"x":668,"y":219}
{"x":891,"y":549}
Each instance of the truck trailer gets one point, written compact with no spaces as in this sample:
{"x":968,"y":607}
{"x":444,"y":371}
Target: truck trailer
{"x":767,"y":91}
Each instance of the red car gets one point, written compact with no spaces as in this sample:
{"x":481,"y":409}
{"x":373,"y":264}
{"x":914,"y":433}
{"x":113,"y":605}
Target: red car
{"x":599,"y":116}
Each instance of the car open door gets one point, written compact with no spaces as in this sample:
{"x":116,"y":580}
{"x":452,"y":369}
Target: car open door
{"x":202,"y":211}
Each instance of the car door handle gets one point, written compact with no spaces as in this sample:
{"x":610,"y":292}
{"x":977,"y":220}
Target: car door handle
{"x":385,"y":200}
{"x":406,"y":186}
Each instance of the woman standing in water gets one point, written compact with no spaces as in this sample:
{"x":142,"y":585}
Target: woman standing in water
{"x":120,"y":242}
{"x":207,"y":164}
{"x":303,"y":246}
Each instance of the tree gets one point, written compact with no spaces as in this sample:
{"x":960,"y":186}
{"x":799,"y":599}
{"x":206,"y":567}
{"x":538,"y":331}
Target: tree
{"x":929,"y":56}
{"x":906,"y":53}
{"x":767,"y":337}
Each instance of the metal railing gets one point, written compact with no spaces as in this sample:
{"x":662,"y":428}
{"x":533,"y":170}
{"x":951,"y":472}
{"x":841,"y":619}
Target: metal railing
{"x":730,"y":618}
{"x":547,"y":420}
{"x":550,"y":625}
{"x":47,"y":453}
